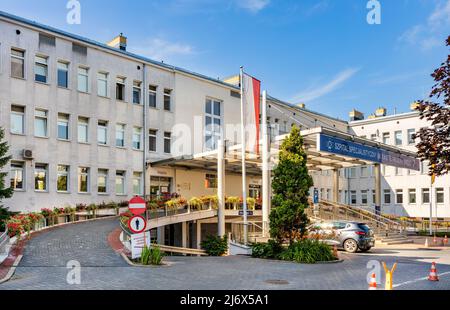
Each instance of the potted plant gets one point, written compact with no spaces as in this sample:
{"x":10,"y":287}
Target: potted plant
{"x":195,"y":203}
{"x":59,"y":215}
{"x":251,"y":203}
{"x":48,"y":215}
{"x":232,"y":201}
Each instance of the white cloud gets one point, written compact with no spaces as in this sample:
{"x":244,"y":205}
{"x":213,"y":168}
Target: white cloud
{"x":320,"y":91}
{"x":160,"y":49}
{"x":253,"y":6}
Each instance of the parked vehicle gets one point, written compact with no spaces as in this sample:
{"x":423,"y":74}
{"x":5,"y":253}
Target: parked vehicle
{"x":348,"y":235}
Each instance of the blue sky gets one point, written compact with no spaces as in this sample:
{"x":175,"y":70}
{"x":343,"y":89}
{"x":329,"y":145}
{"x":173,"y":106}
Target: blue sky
{"x":321,"y":52}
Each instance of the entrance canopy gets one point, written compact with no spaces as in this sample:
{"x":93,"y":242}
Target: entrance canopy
{"x":326,"y":149}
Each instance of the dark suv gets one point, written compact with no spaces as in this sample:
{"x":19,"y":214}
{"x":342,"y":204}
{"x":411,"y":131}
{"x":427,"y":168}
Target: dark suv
{"x":348,"y":235}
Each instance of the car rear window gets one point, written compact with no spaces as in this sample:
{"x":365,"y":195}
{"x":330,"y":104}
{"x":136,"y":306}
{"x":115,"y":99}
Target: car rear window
{"x":363,"y":226}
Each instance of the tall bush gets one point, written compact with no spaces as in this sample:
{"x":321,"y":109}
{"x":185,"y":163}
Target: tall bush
{"x":4,"y":192}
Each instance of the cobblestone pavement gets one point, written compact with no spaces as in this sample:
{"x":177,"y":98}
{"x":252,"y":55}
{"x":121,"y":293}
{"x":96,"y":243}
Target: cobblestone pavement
{"x":46,"y":256}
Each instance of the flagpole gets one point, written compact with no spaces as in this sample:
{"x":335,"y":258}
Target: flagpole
{"x":244,"y":181}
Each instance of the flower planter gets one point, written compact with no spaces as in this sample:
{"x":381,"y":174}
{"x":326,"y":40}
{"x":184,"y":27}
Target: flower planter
{"x":106,"y":212}
{"x":61,"y":219}
{"x":81,"y":216}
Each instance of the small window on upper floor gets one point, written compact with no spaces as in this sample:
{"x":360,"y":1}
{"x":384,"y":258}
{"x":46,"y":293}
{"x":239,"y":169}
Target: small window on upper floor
{"x":136,"y":92}
{"x":167,"y":99}
{"x":120,"y":88}
{"x":41,"y":69}
{"x":17,"y":63}
{"x":63,"y":74}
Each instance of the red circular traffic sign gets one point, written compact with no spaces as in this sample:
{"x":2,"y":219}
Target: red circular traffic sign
{"x":137,"y":224}
{"x":137,"y":205}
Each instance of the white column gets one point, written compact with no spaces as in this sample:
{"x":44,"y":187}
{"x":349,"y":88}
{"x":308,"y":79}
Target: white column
{"x":377,"y":168}
{"x":266,"y":180}
{"x":243,"y":155}
{"x":336,"y":185}
{"x":221,"y":188}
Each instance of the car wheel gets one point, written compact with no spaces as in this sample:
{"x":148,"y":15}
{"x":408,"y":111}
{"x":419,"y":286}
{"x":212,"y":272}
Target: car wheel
{"x":366,"y":249}
{"x":350,"y":246}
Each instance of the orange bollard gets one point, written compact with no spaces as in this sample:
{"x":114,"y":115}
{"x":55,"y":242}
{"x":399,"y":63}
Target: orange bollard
{"x":373,"y":283}
{"x":433,"y":273}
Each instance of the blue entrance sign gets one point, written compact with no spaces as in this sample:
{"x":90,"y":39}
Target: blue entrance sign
{"x":360,"y":151}
{"x":316,"y":196}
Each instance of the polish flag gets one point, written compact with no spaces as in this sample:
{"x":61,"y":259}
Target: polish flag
{"x":251,"y":88}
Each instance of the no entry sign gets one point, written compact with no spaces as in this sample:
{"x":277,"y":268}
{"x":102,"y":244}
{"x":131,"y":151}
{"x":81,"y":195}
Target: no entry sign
{"x":137,"y":224}
{"x":137,"y":205}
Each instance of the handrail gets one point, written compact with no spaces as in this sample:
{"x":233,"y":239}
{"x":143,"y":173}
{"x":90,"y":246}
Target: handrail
{"x":172,"y":249}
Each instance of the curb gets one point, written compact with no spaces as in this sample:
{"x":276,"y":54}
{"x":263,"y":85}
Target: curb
{"x":129,"y":262}
{"x":12,"y":270}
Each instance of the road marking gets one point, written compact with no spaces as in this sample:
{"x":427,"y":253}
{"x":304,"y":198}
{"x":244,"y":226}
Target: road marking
{"x":418,"y":280}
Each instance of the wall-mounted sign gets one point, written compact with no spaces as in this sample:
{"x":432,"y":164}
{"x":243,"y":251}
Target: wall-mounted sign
{"x":369,"y":153}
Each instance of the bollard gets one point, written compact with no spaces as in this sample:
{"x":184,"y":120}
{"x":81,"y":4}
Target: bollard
{"x":389,"y":276}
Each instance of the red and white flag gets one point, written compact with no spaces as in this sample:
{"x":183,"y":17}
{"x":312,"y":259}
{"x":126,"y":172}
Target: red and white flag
{"x":251,"y":89}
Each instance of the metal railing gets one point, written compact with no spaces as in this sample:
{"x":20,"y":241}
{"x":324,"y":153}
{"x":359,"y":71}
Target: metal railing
{"x":185,"y":209}
{"x":254,"y":232}
{"x":4,"y":240}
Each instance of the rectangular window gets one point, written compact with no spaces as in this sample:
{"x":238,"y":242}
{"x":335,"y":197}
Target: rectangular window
{"x":83,"y":79}
{"x":364,"y":171}
{"x":40,"y":177}
{"x":212,"y":124}
{"x":137,"y":92}
{"x":102,"y":132}
{"x":137,"y":138}
{"x":137,"y":183}
{"x":63,"y":126}
{"x":211,"y":181}
{"x":17,"y":176}
{"x":412,"y":196}
{"x":17,"y":120}
{"x":398,"y":138}
{"x":167,"y":142}
{"x":399,"y":196}
{"x":40,"y":69}
{"x":386,"y":138}
{"x":439,"y":195}
{"x":17,"y":63}
{"x":83,"y":130}
{"x":120,"y":135}
{"x":102,"y":181}
{"x":353,"y":200}
{"x":373,"y":137}
{"x":40,"y":123}
{"x":120,"y":182}
{"x":364,"y":199}
{"x":63,"y":74}
{"x":83,"y":180}
{"x":152,"y":136}
{"x":387,"y":196}
{"x":102,"y":84}
{"x":167,"y":99}
{"x":152,"y":96}
{"x":425,"y":195}
{"x":62,"y":178}
{"x":120,"y":88}
{"x":424,"y":167}
{"x":352,"y":172}
{"x":411,"y":133}
{"x":374,"y":198}
{"x":398,"y":171}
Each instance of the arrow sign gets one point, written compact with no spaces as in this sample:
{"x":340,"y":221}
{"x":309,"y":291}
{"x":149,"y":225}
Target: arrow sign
{"x":137,"y":205}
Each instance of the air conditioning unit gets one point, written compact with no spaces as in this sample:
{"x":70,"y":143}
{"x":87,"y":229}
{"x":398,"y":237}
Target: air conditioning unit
{"x":28,"y":154}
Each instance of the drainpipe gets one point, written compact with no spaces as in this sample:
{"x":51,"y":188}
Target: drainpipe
{"x":145,"y":131}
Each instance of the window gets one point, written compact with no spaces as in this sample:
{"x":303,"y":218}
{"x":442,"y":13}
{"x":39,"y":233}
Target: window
{"x":120,"y":135}
{"x":211,"y":181}
{"x":63,"y":74}
{"x":411,"y":133}
{"x":386,"y":138}
{"x":137,"y":138}
{"x":364,"y":171}
{"x":353,"y":197}
{"x":398,"y":138}
{"x":137,"y":92}
{"x":399,"y":196}
{"x":83,"y":180}
{"x":120,"y":182}
{"x":137,"y":183}
{"x":374,"y":197}
{"x":152,"y":96}
{"x":102,"y":181}
{"x":62,"y":179}
{"x":102,"y":132}
{"x":364,"y":199}
{"x":152,"y":135}
{"x":40,"y":69}
{"x":373,"y":137}
{"x":40,"y":123}
{"x":398,"y":171}
{"x":17,"y":176}
{"x":102,"y":84}
{"x":425,"y":195}
{"x":424,"y":167}
{"x":212,"y":124}
{"x":120,"y":88}
{"x":17,"y":120}
{"x":17,"y":63}
{"x":63,"y":126}
{"x":412,"y":196}
{"x":40,"y":177}
{"x":167,"y":142}
{"x":387,"y":196}
{"x":439,"y":195}
{"x":167,"y":99}
{"x":83,"y":130}
{"x":352,"y":172}
{"x":83,"y":79}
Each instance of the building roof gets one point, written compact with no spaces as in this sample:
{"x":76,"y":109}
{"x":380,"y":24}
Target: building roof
{"x":385,"y":118}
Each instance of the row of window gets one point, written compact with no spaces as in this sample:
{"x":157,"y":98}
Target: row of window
{"x":41,"y":179}
{"x":367,"y":171}
{"x":398,"y":137}
{"x":41,"y":75}
{"x":83,"y":125}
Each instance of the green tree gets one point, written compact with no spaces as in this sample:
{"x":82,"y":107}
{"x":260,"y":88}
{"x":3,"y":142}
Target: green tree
{"x":4,"y":192}
{"x":290,"y":185}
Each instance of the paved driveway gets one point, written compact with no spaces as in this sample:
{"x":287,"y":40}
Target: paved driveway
{"x":46,"y":256}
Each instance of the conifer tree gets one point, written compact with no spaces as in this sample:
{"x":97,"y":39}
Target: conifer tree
{"x":4,"y":192}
